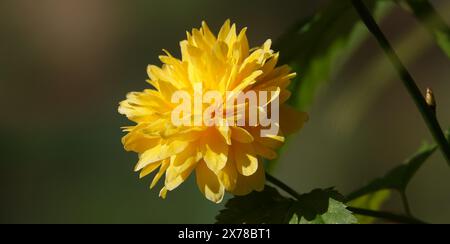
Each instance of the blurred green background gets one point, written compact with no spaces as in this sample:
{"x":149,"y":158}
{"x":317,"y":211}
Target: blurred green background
{"x":65,"y":65}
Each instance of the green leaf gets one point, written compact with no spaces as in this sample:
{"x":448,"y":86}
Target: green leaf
{"x":337,"y":214}
{"x":316,"y":44}
{"x":268,"y":206}
{"x":399,"y":177}
{"x":372,"y":201}
{"x":430,"y":18}
{"x":315,"y":203}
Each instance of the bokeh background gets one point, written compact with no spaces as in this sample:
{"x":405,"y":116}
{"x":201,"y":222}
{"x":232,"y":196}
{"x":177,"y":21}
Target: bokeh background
{"x":66,"y":64}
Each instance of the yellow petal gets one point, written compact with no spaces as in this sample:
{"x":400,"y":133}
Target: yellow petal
{"x":280,"y":73}
{"x":251,"y":63}
{"x":163,"y":193}
{"x":270,"y":65}
{"x":197,"y":35}
{"x":160,"y":152}
{"x":273,"y":142}
{"x":223,"y":33}
{"x":177,"y":175}
{"x":245,"y":158}
{"x":166,"y":89}
{"x":184,"y":52}
{"x":184,"y":156}
{"x":284,"y":96}
{"x":149,"y":169}
{"x":247,"y":184}
{"x":143,"y":106}
{"x":243,"y":42}
{"x":208,"y":183}
{"x":226,"y":133}
{"x":157,"y":74}
{"x":273,"y":93}
{"x":190,"y":134}
{"x":266,"y":45}
{"x":228,"y":175}
{"x":241,"y":135}
{"x":291,"y":120}
{"x":231,"y":37}
{"x":247,"y":81}
{"x":137,"y":142}
{"x":209,"y":36}
{"x":194,"y":51}
{"x":220,"y":50}
{"x":264,"y":151}
{"x":162,"y":170}
{"x":215,"y":152}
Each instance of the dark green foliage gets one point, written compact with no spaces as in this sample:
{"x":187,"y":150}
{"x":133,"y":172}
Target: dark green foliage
{"x":268,"y":206}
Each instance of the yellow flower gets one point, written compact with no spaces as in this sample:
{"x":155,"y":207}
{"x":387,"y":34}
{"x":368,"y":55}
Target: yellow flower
{"x":224,"y":157}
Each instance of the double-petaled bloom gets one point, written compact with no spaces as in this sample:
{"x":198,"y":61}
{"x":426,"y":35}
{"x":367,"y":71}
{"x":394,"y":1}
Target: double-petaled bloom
{"x":225,"y":157}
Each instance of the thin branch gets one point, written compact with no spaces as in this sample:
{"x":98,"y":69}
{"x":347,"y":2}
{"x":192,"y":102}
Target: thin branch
{"x":408,"y":81}
{"x":282,"y":186}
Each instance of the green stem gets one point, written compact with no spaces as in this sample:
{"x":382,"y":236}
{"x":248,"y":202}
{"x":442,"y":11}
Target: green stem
{"x":282,"y":186}
{"x":360,"y":211}
{"x":408,"y":81}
